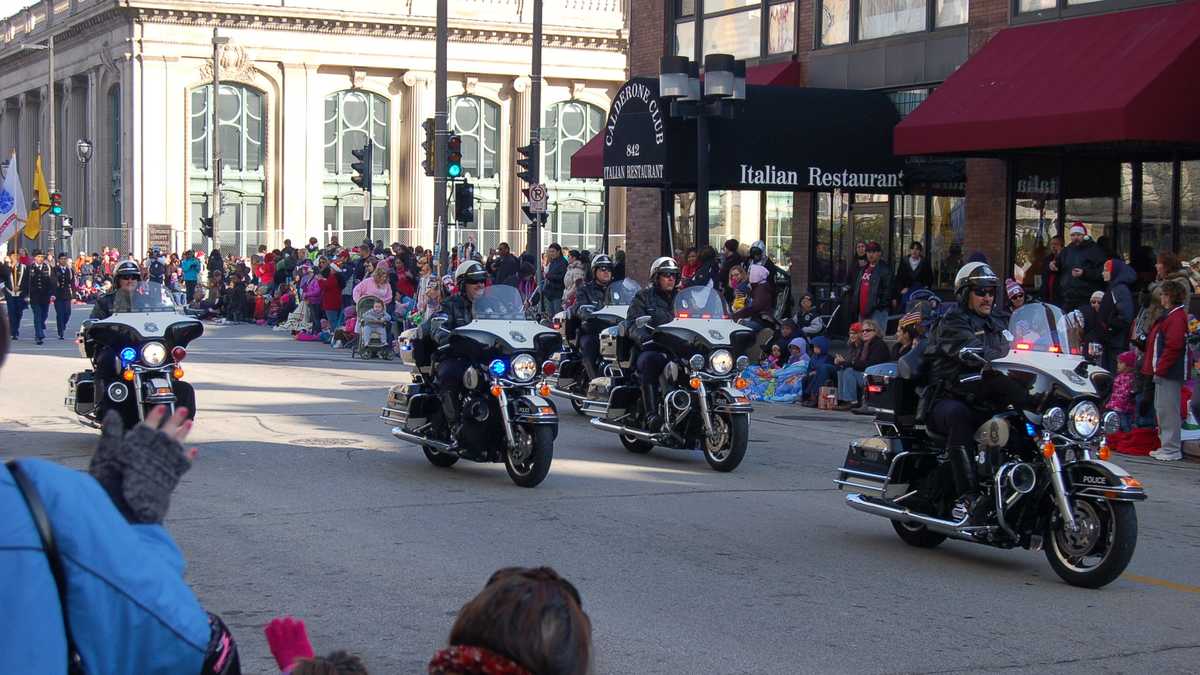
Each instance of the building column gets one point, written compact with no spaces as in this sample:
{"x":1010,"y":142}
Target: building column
{"x":802,"y":243}
{"x":515,"y":228}
{"x":292,"y":175}
{"x":416,"y":206}
{"x":401,"y":126}
{"x":91,"y":172}
{"x":987,"y":209}
{"x":67,"y":170}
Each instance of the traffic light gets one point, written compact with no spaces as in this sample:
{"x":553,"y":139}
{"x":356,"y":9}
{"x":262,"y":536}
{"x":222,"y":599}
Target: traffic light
{"x":56,"y":208}
{"x":206,"y":227}
{"x":427,"y":145}
{"x":464,"y":203}
{"x":362,"y":168}
{"x":454,"y":156}
{"x":68,"y":227}
{"x":525,"y":161}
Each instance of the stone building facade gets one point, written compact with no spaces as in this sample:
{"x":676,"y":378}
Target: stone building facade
{"x":302,"y":84}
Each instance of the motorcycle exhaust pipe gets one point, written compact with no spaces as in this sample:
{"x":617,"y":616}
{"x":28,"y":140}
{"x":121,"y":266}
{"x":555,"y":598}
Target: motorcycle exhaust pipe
{"x":567,"y":395}
{"x":422,"y":441}
{"x":618,"y":429}
{"x":679,"y":403}
{"x":949,"y":528}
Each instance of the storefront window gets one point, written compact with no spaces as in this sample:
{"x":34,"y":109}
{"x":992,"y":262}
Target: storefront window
{"x":947,"y":230}
{"x":685,"y":39}
{"x":1189,"y":210}
{"x":908,"y":225}
{"x":950,"y":13}
{"x":1156,"y":205}
{"x":683,"y":225}
{"x":1036,"y":5}
{"x":739,"y":34}
{"x":881,"y":18}
{"x":779,"y":227}
{"x":781,"y":33}
{"x":835,"y":22}
{"x":830,"y":254}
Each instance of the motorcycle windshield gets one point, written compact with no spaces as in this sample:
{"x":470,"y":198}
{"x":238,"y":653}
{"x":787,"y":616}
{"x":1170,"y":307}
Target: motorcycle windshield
{"x":499,"y":302}
{"x":621,"y":292}
{"x":1043,"y":328}
{"x":147,"y":296}
{"x":700,"y":302}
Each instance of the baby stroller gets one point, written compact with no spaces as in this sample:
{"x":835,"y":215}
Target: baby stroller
{"x":372,"y":342}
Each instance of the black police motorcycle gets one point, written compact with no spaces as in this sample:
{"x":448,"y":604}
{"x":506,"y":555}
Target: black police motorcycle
{"x":569,"y":377}
{"x":504,"y":413}
{"x":701,"y":403}
{"x":1046,"y":482}
{"x":147,"y":339}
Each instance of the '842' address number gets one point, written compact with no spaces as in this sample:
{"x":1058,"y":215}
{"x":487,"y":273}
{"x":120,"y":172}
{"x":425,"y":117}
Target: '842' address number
{"x":633,"y":150}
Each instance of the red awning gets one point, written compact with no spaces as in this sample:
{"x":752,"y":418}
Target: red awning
{"x":1122,"y":77}
{"x":785,"y":74}
{"x":588,"y":161}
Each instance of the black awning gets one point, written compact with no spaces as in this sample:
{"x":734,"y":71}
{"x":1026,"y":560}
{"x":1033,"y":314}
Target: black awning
{"x":782,"y":138}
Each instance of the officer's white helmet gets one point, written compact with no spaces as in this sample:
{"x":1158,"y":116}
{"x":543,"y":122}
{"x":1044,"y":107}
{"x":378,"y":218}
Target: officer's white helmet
{"x":664,"y":265}
{"x":469,"y":271}
{"x":974,"y":275}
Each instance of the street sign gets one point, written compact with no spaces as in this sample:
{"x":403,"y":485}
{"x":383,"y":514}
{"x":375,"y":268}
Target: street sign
{"x":538,"y":199}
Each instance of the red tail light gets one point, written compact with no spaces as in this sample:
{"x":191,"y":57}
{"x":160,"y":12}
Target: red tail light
{"x":1024,"y":346}
{"x":549,"y":368}
{"x":178,"y":354}
{"x":1054,"y":349}
{"x":874,"y":389}
{"x":681,"y":315}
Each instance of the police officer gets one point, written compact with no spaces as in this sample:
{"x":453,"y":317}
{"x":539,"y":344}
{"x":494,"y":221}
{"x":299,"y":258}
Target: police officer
{"x":470,"y":278}
{"x":957,"y":408}
{"x":593,"y":293}
{"x":156,"y":267}
{"x":126,"y":276}
{"x":656,"y":301}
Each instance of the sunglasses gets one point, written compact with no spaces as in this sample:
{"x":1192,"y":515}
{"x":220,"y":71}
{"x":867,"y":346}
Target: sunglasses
{"x":867,"y":330}
{"x":984,"y":292}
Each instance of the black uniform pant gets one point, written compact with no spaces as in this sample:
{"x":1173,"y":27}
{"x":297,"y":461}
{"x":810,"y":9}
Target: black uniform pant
{"x":589,"y":348}
{"x":650,"y":365}
{"x":450,"y":373}
{"x":62,"y":313}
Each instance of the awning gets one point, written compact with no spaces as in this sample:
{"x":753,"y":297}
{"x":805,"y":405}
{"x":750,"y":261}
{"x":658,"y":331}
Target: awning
{"x":1116,"y":81}
{"x":783,"y":74}
{"x":588,"y":161}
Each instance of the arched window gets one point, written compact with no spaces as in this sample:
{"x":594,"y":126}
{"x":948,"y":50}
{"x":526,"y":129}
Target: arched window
{"x":241,"y":123}
{"x":576,"y":204}
{"x":351,"y":117}
{"x":477,"y":121}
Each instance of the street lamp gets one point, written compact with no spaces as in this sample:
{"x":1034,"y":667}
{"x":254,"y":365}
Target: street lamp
{"x":724,"y":88}
{"x":83,"y":150}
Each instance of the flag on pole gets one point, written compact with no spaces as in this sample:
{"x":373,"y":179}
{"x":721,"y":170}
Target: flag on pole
{"x":33,"y":224}
{"x":12,"y":202}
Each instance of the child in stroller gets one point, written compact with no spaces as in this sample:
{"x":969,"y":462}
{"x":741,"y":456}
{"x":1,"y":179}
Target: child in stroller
{"x":372,"y":329}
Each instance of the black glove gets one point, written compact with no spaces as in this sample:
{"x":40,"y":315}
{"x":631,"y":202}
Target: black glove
{"x":139,"y":470}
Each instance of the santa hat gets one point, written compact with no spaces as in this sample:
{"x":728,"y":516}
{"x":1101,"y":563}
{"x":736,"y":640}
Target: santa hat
{"x":855,"y":327}
{"x":1078,"y":227}
{"x":1013,"y":289}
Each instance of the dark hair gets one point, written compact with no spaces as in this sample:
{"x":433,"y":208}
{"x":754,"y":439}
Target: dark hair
{"x":532,"y":616}
{"x":336,"y":663}
{"x":917,"y":245}
{"x":556,"y":247}
{"x":707,"y":253}
{"x":1174,"y":291}
{"x":1169,"y":261}
{"x":731,"y":245}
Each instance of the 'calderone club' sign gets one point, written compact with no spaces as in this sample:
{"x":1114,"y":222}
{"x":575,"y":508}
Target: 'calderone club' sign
{"x":638,"y":137}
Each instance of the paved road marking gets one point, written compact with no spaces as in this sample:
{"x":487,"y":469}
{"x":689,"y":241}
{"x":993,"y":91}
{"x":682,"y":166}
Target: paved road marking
{"x":1183,"y":588}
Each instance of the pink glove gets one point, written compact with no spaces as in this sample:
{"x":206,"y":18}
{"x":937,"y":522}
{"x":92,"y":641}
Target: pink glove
{"x":288,"y":640}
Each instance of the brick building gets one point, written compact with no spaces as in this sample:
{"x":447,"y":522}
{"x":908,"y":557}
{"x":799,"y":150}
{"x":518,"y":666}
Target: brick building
{"x":1134,"y":186}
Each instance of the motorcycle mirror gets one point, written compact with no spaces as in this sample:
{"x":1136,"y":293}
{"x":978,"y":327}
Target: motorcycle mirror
{"x":972,"y":354}
{"x":642,"y":321}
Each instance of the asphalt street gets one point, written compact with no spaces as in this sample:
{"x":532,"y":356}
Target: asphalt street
{"x":301,"y":503}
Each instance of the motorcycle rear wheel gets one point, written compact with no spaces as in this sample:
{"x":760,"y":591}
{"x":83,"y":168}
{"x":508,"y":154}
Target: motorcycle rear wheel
{"x":1099,"y":552}
{"x":637,"y":447}
{"x":917,"y":535}
{"x":439,"y":459}
{"x":528,"y":464}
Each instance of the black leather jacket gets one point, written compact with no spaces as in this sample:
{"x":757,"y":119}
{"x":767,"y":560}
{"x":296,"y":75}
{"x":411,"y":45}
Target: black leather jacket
{"x":590,"y":293}
{"x":961,"y":328}
{"x":458,"y":312}
{"x":651,"y":302}
{"x":104,"y":305}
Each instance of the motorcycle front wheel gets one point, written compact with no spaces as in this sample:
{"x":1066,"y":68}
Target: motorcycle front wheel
{"x":1099,"y":550}
{"x":726,"y":448}
{"x":529,"y":462}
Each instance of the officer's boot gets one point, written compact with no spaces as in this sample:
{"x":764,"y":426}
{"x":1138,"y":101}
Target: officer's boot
{"x":450,"y":410}
{"x":966,"y":484}
{"x":651,"y":404}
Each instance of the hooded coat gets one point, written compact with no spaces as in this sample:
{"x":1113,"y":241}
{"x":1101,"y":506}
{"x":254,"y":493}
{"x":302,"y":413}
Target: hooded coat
{"x":125,"y":584}
{"x":1117,"y":310}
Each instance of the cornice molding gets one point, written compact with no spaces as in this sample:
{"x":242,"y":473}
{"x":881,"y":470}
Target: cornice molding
{"x":413,"y":28}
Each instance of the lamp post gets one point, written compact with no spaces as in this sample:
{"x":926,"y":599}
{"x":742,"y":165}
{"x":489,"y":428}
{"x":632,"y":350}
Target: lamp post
{"x":83,"y":152}
{"x":724,"y":88}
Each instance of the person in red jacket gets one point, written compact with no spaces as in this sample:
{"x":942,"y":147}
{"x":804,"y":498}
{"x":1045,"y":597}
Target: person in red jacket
{"x":1167,"y":362}
{"x":331,"y":297}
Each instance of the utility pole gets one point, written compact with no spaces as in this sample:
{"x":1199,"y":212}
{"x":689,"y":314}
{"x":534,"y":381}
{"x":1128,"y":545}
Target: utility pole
{"x":440,"y":135}
{"x":535,"y":135}
{"x":214,"y":134}
{"x":701,"y":219}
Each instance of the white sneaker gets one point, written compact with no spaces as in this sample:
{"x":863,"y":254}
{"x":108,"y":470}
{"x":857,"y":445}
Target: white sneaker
{"x":1166,"y":456}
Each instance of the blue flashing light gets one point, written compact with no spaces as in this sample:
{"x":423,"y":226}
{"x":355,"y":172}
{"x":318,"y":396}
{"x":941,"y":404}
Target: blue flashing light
{"x":497,"y":367}
{"x":128,"y":355}
{"x":1031,"y":430}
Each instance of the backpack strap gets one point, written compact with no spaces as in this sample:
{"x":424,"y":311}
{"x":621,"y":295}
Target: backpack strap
{"x":41,"y":521}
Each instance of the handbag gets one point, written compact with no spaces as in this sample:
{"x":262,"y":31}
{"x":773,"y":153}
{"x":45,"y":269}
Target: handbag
{"x":41,"y":520}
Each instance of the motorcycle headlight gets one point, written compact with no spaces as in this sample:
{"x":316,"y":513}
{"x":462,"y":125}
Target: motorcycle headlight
{"x":524,"y":367}
{"x":1054,"y":419}
{"x":1111,"y":423}
{"x":154,"y":354}
{"x":696,"y":362}
{"x":1085,"y":419}
{"x":721,"y":361}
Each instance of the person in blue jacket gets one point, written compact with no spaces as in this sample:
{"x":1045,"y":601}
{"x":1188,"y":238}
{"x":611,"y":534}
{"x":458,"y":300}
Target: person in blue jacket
{"x":128,"y":609}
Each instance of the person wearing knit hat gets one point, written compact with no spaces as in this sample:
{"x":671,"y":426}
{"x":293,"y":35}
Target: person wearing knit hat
{"x":1015,"y":293}
{"x":1081,"y":266}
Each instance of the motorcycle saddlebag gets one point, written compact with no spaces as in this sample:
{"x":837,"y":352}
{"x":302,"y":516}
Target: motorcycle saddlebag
{"x":82,"y":392}
{"x":867,"y":464}
{"x":893,"y":399}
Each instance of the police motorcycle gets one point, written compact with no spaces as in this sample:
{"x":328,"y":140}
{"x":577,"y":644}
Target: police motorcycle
{"x":701,"y":402}
{"x":569,"y":376}
{"x":1047,"y":482}
{"x":136,"y":353}
{"x":504,"y":413}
